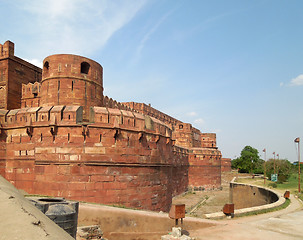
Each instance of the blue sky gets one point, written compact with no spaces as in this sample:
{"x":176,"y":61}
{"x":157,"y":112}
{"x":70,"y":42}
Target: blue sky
{"x":232,"y":67}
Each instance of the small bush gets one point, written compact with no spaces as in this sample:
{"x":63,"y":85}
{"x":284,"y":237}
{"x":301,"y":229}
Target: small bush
{"x":274,"y":185}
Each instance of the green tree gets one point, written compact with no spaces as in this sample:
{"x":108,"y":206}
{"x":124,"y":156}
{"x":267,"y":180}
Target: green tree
{"x":249,"y":161}
{"x":282,"y":167}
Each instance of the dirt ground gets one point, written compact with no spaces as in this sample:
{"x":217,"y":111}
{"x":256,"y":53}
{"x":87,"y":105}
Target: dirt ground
{"x":202,"y":202}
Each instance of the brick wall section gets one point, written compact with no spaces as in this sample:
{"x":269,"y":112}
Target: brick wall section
{"x":30,"y":95}
{"x":204,"y":169}
{"x":2,"y":146}
{"x":13,"y":73}
{"x":225,"y":164}
{"x":111,"y":161}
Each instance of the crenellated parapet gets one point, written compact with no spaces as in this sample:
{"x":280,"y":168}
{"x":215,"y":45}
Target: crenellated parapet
{"x":111,"y":103}
{"x":30,"y":95}
{"x":208,"y":140}
{"x":117,"y":151}
{"x":7,"y":49}
{"x":152,"y":112}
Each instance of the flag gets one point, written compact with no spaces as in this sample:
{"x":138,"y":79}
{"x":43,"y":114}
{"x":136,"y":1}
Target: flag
{"x":297,"y":140}
{"x":264,"y":150}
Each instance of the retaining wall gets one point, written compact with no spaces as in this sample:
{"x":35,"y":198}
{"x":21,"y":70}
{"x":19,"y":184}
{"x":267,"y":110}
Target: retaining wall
{"x":246,"y":196}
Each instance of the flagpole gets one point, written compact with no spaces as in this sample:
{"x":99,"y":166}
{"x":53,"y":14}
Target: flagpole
{"x":299,"y":171}
{"x":297,"y":140}
{"x":274,"y":153}
{"x":264,"y":150}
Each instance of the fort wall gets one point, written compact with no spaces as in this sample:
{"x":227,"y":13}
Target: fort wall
{"x":225,"y":164}
{"x":205,"y":169}
{"x":64,"y":138}
{"x":113,"y":160}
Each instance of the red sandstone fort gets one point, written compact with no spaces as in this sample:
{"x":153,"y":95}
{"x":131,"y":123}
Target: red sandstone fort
{"x":61,"y":137}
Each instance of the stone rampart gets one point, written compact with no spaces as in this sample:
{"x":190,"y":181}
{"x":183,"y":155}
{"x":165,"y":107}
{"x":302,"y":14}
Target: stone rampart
{"x":225,"y":165}
{"x":68,"y":140}
{"x":150,"y":111}
{"x":205,"y":169}
{"x":30,"y":95}
{"x":118,"y":158}
{"x":111,"y":103}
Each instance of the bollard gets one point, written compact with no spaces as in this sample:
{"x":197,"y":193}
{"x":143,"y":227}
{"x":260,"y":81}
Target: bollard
{"x":287,"y":194}
{"x":229,"y":209}
{"x":177,"y":211}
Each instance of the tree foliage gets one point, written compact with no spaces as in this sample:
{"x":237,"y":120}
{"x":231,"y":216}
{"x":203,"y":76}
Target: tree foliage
{"x":282,"y":167}
{"x":249,"y":161}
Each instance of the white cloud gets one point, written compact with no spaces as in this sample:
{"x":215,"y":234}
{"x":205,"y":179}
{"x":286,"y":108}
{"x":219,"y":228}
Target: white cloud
{"x":281,"y":84}
{"x":76,"y":26}
{"x":199,"y":121}
{"x":151,"y":32}
{"x":217,"y":130}
{"x":298,"y":81}
{"x":192,"y":114}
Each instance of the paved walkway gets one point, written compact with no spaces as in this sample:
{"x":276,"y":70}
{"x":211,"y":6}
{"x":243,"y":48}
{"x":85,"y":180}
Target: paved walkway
{"x":284,"y":224}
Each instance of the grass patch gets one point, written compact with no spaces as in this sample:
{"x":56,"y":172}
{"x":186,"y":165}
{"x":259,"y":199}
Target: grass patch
{"x":300,"y":195}
{"x":291,"y":184}
{"x":257,"y":212}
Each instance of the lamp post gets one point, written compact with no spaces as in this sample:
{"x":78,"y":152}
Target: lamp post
{"x":297,"y":140}
{"x":264,"y":150}
{"x":274,"y":162}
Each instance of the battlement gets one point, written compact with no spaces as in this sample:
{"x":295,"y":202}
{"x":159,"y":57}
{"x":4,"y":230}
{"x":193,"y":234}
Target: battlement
{"x":111,"y":103}
{"x":99,"y":117}
{"x":41,"y":115}
{"x":150,"y":111}
{"x":31,"y":90}
{"x":209,"y":140}
{"x":31,"y":95}
{"x":7,"y":49}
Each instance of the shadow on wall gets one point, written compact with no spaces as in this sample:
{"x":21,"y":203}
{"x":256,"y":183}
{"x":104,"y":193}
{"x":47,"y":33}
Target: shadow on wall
{"x":246,"y":196}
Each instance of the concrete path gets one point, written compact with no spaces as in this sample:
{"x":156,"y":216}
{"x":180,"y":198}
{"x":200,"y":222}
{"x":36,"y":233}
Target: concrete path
{"x":284,"y":224}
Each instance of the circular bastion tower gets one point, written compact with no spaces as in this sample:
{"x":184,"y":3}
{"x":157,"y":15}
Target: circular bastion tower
{"x":72,"y":80}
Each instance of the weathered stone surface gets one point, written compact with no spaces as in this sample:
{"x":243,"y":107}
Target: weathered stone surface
{"x":68,"y":140}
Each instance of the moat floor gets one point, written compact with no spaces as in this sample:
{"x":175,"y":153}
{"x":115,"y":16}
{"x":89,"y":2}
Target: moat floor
{"x":202,"y":202}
